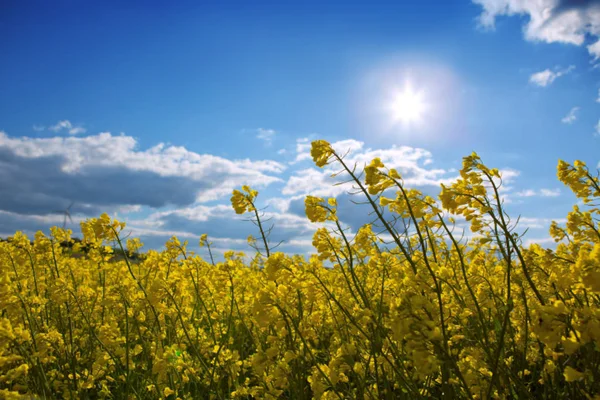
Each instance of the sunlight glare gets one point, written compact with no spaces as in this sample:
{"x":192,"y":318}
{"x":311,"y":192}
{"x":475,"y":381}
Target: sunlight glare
{"x":408,"y":106}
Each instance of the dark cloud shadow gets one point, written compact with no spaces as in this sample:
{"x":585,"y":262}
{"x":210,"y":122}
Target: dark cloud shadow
{"x":39,"y":186}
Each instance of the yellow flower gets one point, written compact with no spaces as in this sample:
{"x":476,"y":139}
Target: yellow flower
{"x":375,"y":180}
{"x":203,"y":240}
{"x":318,"y":211}
{"x":572,"y":375}
{"x":394,"y":303}
{"x":314,"y":208}
{"x":321,"y":151}
{"x":243,"y":202}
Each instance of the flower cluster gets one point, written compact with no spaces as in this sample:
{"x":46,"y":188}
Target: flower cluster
{"x":402,"y":308}
{"x":243,"y":201}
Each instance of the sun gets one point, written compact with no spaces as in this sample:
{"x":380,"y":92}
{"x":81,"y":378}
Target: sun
{"x":408,"y":106}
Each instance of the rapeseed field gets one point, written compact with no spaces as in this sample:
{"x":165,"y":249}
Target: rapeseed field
{"x":407,"y":307}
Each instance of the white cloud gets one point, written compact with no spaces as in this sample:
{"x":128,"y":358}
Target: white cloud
{"x":597,"y":133}
{"x":302,"y":150}
{"x":538,"y":223}
{"x":509,"y":175}
{"x":550,"y":192}
{"x":76,"y":130}
{"x":205,"y":177}
{"x":105,"y":149}
{"x":505,"y":188}
{"x":526,"y":193}
{"x":598,"y":99}
{"x":303,"y":146}
{"x":550,"y":21}
{"x":547,"y":76}
{"x":541,"y":192}
{"x":60,"y":125}
{"x":545,"y":241}
{"x":55,"y":218}
{"x":571,"y":116}
{"x":137,"y":231}
{"x":126,"y":209}
{"x":281,"y":204}
{"x":68,"y":126}
{"x":199,"y":213}
{"x":222,"y":222}
{"x":594,"y":49}
{"x":266,"y":135}
{"x":104,"y":152}
{"x":410,"y":163}
{"x":38,"y":128}
{"x":314,"y":182}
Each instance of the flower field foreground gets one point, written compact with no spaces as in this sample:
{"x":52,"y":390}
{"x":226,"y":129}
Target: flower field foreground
{"x":405,"y":307}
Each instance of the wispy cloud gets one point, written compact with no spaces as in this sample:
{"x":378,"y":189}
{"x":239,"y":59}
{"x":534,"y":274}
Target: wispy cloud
{"x":76,"y":130}
{"x":538,"y":223}
{"x":540,"y":192}
{"x":597,"y":132}
{"x":67,"y":126}
{"x":38,"y":128}
{"x":571,"y":116}
{"x":526,"y":193}
{"x":60,"y":125}
{"x":266,"y":135}
{"x":546,"y":77}
{"x":550,"y":192}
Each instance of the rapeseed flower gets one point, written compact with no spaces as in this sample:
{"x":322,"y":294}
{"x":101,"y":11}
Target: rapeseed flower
{"x":381,"y":312}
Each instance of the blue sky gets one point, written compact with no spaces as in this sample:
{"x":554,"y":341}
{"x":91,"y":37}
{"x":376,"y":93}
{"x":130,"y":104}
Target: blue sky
{"x":154,"y":112}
